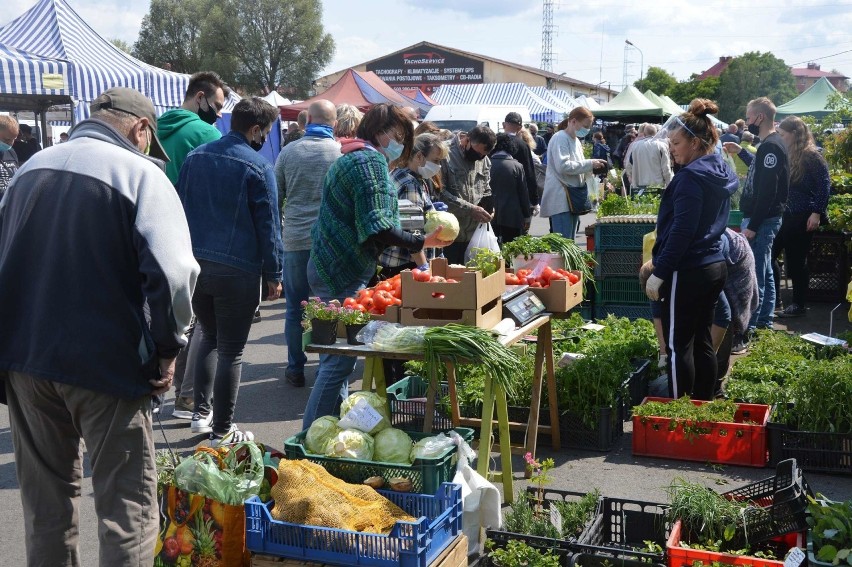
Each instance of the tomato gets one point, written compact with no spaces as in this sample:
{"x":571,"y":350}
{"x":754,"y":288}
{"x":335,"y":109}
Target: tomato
{"x":557,"y":276}
{"x":359,"y":307}
{"x":367,"y":303}
{"x":451,"y":280}
{"x":437,"y":295}
{"x":573,"y":278}
{"x":438,"y":279}
{"x":536,"y":283}
{"x":512,"y":279}
{"x":397,"y":289}
{"x":523,"y":273}
{"x":363,"y":294}
{"x":381,"y":299}
{"x":384,"y":286}
{"x":546,"y":273}
{"x":397,"y":301}
{"x":421,"y":275}
{"x":531,"y":280}
{"x":349,"y":302}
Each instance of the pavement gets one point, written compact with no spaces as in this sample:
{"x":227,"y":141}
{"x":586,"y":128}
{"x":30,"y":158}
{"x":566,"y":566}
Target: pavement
{"x":272,"y":410}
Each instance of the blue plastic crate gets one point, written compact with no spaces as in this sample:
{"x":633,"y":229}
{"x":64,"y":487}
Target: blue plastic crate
{"x":409,"y":544}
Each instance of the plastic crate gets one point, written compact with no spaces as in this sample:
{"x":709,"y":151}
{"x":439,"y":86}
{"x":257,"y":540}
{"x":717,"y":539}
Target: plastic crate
{"x":636,"y":386}
{"x":426,"y":475}
{"x":618,"y":263}
{"x":735,"y":219}
{"x":621,"y":236}
{"x":783,"y":500}
{"x":409,"y":544}
{"x":407,"y":401}
{"x":812,"y":559}
{"x":828,"y":267}
{"x":737,"y":443}
{"x":685,"y":557}
{"x":630,"y":311}
{"x":813,"y":451}
{"x":576,"y":434}
{"x":620,"y":528}
{"x":623,"y":291}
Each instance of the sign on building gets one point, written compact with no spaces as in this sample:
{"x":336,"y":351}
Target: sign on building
{"x":426,"y":69}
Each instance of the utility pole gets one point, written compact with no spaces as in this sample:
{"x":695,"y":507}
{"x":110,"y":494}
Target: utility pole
{"x":547,"y":30}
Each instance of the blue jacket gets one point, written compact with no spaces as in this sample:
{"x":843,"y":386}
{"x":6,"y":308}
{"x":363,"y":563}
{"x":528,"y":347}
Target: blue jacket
{"x":230,"y":198}
{"x":693,"y":215}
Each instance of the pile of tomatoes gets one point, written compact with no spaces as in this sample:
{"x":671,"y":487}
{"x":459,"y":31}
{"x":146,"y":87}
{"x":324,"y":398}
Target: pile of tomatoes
{"x":546,"y":276}
{"x":377,"y":299}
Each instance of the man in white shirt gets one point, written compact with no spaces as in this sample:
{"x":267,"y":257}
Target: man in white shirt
{"x":649,"y":163}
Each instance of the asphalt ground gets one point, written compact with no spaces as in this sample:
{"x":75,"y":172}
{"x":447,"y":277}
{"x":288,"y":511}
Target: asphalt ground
{"x":272,"y":410}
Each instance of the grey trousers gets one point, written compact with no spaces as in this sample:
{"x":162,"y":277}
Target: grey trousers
{"x":49,"y":422}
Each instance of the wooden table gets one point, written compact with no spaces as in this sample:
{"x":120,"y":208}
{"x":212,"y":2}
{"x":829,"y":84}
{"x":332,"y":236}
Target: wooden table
{"x":493,"y":394}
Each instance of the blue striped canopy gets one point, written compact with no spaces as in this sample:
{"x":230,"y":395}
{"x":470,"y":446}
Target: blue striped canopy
{"x":499,"y":93}
{"x":53,"y":32}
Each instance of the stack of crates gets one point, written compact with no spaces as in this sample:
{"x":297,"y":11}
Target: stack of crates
{"x":618,"y":251}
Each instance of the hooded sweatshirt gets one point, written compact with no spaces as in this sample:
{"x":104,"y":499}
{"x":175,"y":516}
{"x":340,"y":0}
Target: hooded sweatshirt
{"x":693,"y":215}
{"x":181,"y":131}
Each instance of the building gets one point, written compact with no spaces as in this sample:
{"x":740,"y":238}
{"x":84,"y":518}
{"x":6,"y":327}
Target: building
{"x":427,"y":65}
{"x":807,"y":76}
{"x":716,"y":69}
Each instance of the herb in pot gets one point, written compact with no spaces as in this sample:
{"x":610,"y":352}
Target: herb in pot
{"x":831,"y":530}
{"x":518,"y":554}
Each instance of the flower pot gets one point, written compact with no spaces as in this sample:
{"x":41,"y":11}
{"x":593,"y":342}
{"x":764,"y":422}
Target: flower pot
{"x":323,"y":332}
{"x":351,"y":331}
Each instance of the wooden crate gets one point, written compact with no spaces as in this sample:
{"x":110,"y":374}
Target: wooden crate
{"x":454,"y":556}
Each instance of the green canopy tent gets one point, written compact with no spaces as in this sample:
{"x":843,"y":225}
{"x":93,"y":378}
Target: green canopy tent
{"x":812,"y":102}
{"x":631,"y":106}
{"x":667,"y":104}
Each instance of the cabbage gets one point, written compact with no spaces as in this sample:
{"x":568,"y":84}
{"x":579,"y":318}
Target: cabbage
{"x":431,"y":447}
{"x":392,"y":446}
{"x":321,"y":431}
{"x":434,"y":219}
{"x":351,"y":444}
{"x":379,"y":404}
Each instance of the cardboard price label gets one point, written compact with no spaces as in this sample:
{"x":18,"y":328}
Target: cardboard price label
{"x":362,"y":417}
{"x":795,"y":558}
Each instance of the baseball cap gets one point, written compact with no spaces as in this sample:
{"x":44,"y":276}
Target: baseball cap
{"x":514,"y":118}
{"x":133,"y":102}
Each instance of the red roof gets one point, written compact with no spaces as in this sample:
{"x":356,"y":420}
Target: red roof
{"x":810,"y":73}
{"x":362,"y":89}
{"x":716,"y":69}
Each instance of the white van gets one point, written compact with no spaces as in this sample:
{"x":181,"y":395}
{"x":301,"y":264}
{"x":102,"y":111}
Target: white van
{"x":465,"y":116}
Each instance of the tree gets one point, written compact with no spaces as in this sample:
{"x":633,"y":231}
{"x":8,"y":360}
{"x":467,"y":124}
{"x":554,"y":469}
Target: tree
{"x":658,"y":80}
{"x":121,"y":44}
{"x":750,"y":76}
{"x":276,"y":42}
{"x":171,"y":36}
{"x":685,"y":91}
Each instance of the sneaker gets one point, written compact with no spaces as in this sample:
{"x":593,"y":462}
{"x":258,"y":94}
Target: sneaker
{"x":257,"y":316}
{"x":233,"y":436}
{"x":295,"y":379}
{"x":793,"y":310}
{"x":740,"y":348}
{"x":184,"y":408}
{"x":202,"y":423}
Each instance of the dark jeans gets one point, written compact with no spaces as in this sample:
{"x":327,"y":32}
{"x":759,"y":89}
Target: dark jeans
{"x":689,"y":301}
{"x":224,"y":302}
{"x":507,"y":233}
{"x":183,"y":379}
{"x":795,"y":241}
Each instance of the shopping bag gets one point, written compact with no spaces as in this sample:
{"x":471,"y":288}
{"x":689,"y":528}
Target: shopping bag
{"x":199,"y":531}
{"x":480,"y":498}
{"x":483,"y":237}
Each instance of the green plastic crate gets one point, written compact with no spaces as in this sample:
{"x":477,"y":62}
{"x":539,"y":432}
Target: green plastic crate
{"x":620,"y":291}
{"x":735,"y":218}
{"x":426,"y":475}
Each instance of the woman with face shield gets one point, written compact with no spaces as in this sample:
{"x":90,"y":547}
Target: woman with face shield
{"x":689,"y":267}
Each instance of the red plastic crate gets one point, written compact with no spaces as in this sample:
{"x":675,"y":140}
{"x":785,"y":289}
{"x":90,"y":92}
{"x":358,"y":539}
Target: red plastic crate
{"x":737,"y":443}
{"x":685,"y":557}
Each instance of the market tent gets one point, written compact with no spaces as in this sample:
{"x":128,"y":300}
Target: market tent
{"x":277,"y":100}
{"x":588,"y":102}
{"x":630,"y":105}
{"x":499,"y":94}
{"x":812,"y":102}
{"x":565,"y":105}
{"x":52,"y":30}
{"x":361,"y":89}
{"x":417,"y":99}
{"x":565,"y":98}
{"x":30,"y":82}
{"x":668,"y":106}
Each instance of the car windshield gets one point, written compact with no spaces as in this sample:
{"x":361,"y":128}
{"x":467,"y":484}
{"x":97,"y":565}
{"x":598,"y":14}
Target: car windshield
{"x":453,"y":125}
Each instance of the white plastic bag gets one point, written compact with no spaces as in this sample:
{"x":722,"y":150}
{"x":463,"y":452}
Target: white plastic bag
{"x":480,"y":498}
{"x":483,"y":237}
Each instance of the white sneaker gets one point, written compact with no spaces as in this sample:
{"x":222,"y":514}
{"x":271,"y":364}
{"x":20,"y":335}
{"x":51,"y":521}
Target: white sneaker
{"x":202,"y":423}
{"x":233,"y":436}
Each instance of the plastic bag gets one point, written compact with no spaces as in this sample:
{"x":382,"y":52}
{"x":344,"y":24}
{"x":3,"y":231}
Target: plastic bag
{"x":238,"y":479}
{"x":392,"y":337}
{"x":483,"y":237}
{"x":431,"y":447}
{"x":480,"y":498}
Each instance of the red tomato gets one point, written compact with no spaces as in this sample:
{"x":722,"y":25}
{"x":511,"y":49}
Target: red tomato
{"x":360,"y":308}
{"x":397,"y":289}
{"x":573,"y":278}
{"x":438,"y":279}
{"x":367,"y":303}
{"x":523,"y":273}
{"x":381,"y":299}
{"x":349,"y":302}
{"x":420,"y":275}
{"x":546,"y":273}
{"x":512,"y":279}
{"x":451,"y":280}
{"x":531,"y":280}
{"x":364,"y":294}
{"x":557,"y":276}
{"x":437,"y":295}
{"x":384,"y":286}
{"x":536,"y":284}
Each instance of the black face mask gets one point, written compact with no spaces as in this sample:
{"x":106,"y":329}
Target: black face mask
{"x":257,"y":146}
{"x":472,"y":155}
{"x":208,"y":115}
{"x":753,"y":129}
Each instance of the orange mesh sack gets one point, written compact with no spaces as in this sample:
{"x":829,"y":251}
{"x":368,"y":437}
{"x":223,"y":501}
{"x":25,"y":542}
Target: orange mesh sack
{"x":308,"y":495}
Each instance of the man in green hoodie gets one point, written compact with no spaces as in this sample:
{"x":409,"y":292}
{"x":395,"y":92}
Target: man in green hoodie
{"x":183,"y":129}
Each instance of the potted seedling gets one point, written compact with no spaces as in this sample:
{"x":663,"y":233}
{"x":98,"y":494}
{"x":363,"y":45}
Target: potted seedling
{"x":323,"y":319}
{"x":354,"y":320}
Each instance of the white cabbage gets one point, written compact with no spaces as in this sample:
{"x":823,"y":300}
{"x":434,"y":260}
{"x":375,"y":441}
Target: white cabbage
{"x":321,"y":431}
{"x":392,"y":446}
{"x":434,"y":219}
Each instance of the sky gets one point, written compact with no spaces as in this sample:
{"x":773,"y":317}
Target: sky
{"x":681,"y":36}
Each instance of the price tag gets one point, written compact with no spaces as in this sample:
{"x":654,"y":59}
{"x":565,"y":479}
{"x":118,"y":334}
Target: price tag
{"x":795,"y":558}
{"x":362,"y":416}
{"x":556,"y":518}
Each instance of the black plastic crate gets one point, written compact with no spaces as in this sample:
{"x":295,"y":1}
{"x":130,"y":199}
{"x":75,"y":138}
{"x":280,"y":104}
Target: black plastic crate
{"x":636,"y":386}
{"x":828,"y":266}
{"x":576,"y":434}
{"x":813,"y":451}
{"x":618,"y":263}
{"x":783,"y":502}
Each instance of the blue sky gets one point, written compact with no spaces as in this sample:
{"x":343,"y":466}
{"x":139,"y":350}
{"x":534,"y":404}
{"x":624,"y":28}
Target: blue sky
{"x":680,"y":36}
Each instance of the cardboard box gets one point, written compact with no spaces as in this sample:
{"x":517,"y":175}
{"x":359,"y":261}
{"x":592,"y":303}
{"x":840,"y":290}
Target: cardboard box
{"x":561,"y":296}
{"x":551,"y":259}
{"x":472,"y":292}
{"x":484,"y":317}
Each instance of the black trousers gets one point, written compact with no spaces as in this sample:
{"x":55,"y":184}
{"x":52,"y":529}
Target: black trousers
{"x":689,"y":300}
{"x":795,"y":241}
{"x":506,"y":233}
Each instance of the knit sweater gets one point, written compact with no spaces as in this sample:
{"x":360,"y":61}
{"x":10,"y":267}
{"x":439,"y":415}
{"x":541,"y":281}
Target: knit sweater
{"x":358,"y":201}
{"x":810,"y":193}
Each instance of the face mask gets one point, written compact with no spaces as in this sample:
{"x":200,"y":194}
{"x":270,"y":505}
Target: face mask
{"x":428,"y":170}
{"x":753,"y":129}
{"x":257,"y":146}
{"x":208,"y":115}
{"x":393,"y":150}
{"x":582,"y":132}
{"x":4,"y":147}
{"x":472,"y":155}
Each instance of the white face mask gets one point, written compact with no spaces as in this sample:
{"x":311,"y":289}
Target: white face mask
{"x":428,"y":170}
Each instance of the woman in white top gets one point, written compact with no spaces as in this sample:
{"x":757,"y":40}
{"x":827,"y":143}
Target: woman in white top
{"x":567,"y":169}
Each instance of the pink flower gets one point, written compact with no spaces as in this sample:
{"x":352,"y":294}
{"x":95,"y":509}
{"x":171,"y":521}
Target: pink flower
{"x":304,"y":303}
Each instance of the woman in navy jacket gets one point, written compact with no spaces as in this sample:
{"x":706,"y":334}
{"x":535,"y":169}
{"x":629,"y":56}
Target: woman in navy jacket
{"x":689,"y":267}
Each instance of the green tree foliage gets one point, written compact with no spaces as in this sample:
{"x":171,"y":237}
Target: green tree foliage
{"x":172,"y":35}
{"x":684,"y":91}
{"x":121,"y":44}
{"x":277,"y":42}
{"x":753,"y":75}
{"x":658,"y":80}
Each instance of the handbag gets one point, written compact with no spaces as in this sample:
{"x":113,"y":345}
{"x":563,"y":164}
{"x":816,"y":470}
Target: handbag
{"x":579,"y":202}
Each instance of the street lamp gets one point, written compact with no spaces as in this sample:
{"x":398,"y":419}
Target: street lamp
{"x":641,"y":58}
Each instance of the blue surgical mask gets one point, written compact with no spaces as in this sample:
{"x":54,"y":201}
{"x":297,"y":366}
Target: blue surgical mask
{"x":582,"y":132}
{"x":393,"y":150}
{"x":4,"y":147}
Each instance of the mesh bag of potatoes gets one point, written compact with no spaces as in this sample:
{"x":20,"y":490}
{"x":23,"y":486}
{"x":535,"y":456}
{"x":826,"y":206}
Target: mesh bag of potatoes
{"x":308,"y":495}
